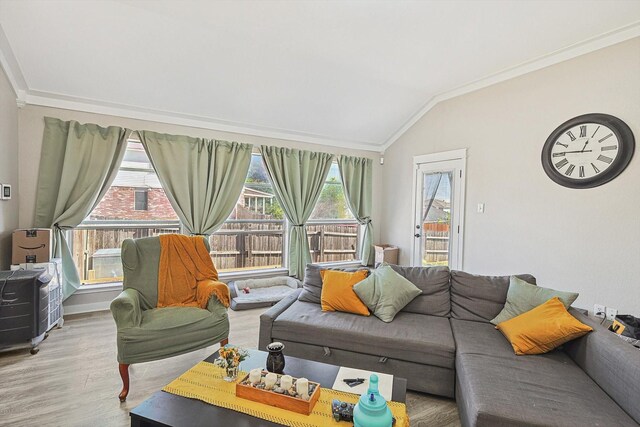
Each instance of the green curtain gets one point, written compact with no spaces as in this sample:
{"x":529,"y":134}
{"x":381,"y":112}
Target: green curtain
{"x":77,"y":166}
{"x":357,"y":183}
{"x":297,"y":177}
{"x":203,"y":178}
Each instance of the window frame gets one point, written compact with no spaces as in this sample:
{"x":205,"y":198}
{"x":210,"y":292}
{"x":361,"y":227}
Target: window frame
{"x":144,"y":191}
{"x":88,"y":224}
{"x":328,"y":221}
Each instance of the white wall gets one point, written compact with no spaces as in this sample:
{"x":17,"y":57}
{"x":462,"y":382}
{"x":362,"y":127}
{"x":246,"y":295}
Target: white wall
{"x":8,"y":167}
{"x":583,"y":240}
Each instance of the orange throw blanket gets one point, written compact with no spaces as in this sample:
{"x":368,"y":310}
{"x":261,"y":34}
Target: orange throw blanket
{"x":187,"y":276}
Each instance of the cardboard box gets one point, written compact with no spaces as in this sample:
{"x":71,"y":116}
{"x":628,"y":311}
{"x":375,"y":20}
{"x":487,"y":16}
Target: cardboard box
{"x":386,"y":253}
{"x":32,"y":245}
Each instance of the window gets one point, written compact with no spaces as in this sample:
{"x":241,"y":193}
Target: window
{"x":333,"y":231}
{"x":251,"y":238}
{"x":135,"y":206}
{"x":141,"y":202}
{"x":253,"y":235}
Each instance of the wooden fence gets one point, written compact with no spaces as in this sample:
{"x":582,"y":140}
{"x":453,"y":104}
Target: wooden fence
{"x":238,"y":245}
{"x":436,"y":243}
{"x":259,"y":244}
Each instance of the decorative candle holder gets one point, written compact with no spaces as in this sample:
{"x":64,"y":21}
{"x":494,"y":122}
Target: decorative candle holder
{"x":275,"y":359}
{"x":279,"y":396}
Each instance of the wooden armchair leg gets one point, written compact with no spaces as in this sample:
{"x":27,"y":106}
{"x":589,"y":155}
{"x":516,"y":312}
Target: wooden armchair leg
{"x":124,"y":374}
{"x":224,"y":342}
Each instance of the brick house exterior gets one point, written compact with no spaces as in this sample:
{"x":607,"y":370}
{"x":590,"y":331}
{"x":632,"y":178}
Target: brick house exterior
{"x":119,"y":203}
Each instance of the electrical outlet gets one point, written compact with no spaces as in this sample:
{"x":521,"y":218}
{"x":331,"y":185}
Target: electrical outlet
{"x":612,"y":313}
{"x":599,"y":308}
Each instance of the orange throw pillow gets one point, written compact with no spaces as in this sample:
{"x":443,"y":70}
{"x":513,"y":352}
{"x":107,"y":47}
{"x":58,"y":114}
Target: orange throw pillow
{"x":337,"y":291}
{"x":542,"y":329}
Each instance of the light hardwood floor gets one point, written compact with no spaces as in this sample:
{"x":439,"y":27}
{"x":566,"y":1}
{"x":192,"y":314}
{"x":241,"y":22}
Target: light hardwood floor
{"x":74,"y":381}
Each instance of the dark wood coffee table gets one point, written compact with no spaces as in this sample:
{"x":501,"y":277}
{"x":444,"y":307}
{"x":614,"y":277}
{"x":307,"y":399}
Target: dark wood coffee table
{"x":166,"y":409}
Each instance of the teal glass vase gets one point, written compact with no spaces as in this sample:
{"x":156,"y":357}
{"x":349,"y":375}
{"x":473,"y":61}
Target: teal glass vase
{"x":372,"y":410}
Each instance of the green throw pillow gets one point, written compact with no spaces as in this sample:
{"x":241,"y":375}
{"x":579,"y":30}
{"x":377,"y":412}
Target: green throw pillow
{"x":523,"y":296}
{"x":385,"y":292}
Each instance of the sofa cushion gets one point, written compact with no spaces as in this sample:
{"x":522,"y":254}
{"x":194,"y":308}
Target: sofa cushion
{"x":498,"y":388}
{"x":386,"y":292}
{"x":434,"y":283}
{"x":542,"y":329}
{"x":613,"y":363}
{"x":411,"y":337}
{"x":479,"y":298}
{"x":523,"y":296}
{"x":338,"y":293}
{"x":312,"y":283}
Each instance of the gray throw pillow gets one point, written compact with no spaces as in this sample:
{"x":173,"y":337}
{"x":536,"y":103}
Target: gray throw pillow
{"x":480,"y":298}
{"x":385,"y":292}
{"x":522,"y":297}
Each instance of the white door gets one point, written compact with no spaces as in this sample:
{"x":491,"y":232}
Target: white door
{"x":439,"y":209}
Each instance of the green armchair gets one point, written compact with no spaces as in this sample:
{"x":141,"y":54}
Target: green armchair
{"x":146,"y":333}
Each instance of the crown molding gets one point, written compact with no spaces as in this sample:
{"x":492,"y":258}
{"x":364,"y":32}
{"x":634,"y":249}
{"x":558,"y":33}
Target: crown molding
{"x":572,"y":51}
{"x":11,"y":68}
{"x":46,"y":99}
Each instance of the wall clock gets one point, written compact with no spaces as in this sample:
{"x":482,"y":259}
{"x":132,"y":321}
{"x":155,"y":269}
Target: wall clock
{"x":588,"y":151}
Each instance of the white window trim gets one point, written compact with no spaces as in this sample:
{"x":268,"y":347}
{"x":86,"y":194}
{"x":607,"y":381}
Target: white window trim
{"x":224,"y":277}
{"x":236,"y":275}
{"x":141,"y":190}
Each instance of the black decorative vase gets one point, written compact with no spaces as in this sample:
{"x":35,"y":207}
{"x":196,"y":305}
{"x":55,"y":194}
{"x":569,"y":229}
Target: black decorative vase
{"x":275,"y":359}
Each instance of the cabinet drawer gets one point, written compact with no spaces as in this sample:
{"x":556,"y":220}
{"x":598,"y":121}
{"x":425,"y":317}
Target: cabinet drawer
{"x":15,"y":309}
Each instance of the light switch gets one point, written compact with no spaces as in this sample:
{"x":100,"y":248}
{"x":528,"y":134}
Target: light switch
{"x":480,"y":207}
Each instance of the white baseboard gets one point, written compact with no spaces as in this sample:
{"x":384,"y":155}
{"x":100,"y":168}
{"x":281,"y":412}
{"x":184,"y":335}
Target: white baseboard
{"x":89,"y":302}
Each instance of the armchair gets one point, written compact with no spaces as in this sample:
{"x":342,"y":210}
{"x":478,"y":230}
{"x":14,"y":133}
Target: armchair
{"x":146,"y":333}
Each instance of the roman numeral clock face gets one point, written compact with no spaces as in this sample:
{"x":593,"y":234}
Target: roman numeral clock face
{"x":585,"y":153}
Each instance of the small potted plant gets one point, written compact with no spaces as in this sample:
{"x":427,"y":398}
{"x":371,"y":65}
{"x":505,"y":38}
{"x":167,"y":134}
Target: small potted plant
{"x":229,"y":358}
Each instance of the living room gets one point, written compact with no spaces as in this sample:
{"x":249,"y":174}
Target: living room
{"x":434,"y":127}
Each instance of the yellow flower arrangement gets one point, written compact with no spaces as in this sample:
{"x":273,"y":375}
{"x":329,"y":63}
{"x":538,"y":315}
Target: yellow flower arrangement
{"x":230,"y":357}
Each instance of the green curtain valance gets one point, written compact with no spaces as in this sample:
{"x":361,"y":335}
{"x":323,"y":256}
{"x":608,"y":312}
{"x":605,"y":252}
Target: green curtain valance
{"x":202,"y":178}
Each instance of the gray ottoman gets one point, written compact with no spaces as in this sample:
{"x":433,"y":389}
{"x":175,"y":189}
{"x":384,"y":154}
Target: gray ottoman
{"x":262,"y":292}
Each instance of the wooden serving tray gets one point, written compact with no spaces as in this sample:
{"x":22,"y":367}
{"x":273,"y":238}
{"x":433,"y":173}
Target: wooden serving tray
{"x":278,"y":400}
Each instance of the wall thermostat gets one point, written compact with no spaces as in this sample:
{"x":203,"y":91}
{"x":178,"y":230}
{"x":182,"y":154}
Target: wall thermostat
{"x":6,"y":192}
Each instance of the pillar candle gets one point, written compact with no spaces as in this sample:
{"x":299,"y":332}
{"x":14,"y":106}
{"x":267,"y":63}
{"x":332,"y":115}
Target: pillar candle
{"x":269,"y":380}
{"x":255,"y":375}
{"x":286,"y":381}
{"x":302,"y":386}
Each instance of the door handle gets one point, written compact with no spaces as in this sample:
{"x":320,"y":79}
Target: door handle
{"x":417,"y":235}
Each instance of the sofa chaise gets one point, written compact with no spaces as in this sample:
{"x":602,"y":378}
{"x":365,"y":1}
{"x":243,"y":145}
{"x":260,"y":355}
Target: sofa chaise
{"x":443,"y":343}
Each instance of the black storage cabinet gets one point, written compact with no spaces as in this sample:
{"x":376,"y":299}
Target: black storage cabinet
{"x":24,"y":305}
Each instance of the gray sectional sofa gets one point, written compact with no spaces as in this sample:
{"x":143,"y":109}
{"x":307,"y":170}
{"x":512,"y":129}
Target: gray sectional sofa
{"x":443,"y":343}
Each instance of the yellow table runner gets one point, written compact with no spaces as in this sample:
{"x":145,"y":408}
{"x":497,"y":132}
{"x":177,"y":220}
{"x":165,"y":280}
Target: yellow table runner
{"x":205,"y":382}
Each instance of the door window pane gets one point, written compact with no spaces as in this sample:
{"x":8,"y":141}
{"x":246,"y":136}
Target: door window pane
{"x":436,"y":218}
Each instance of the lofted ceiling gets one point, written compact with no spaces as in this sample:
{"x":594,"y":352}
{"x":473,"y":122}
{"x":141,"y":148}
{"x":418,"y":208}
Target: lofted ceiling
{"x":346,"y":73}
